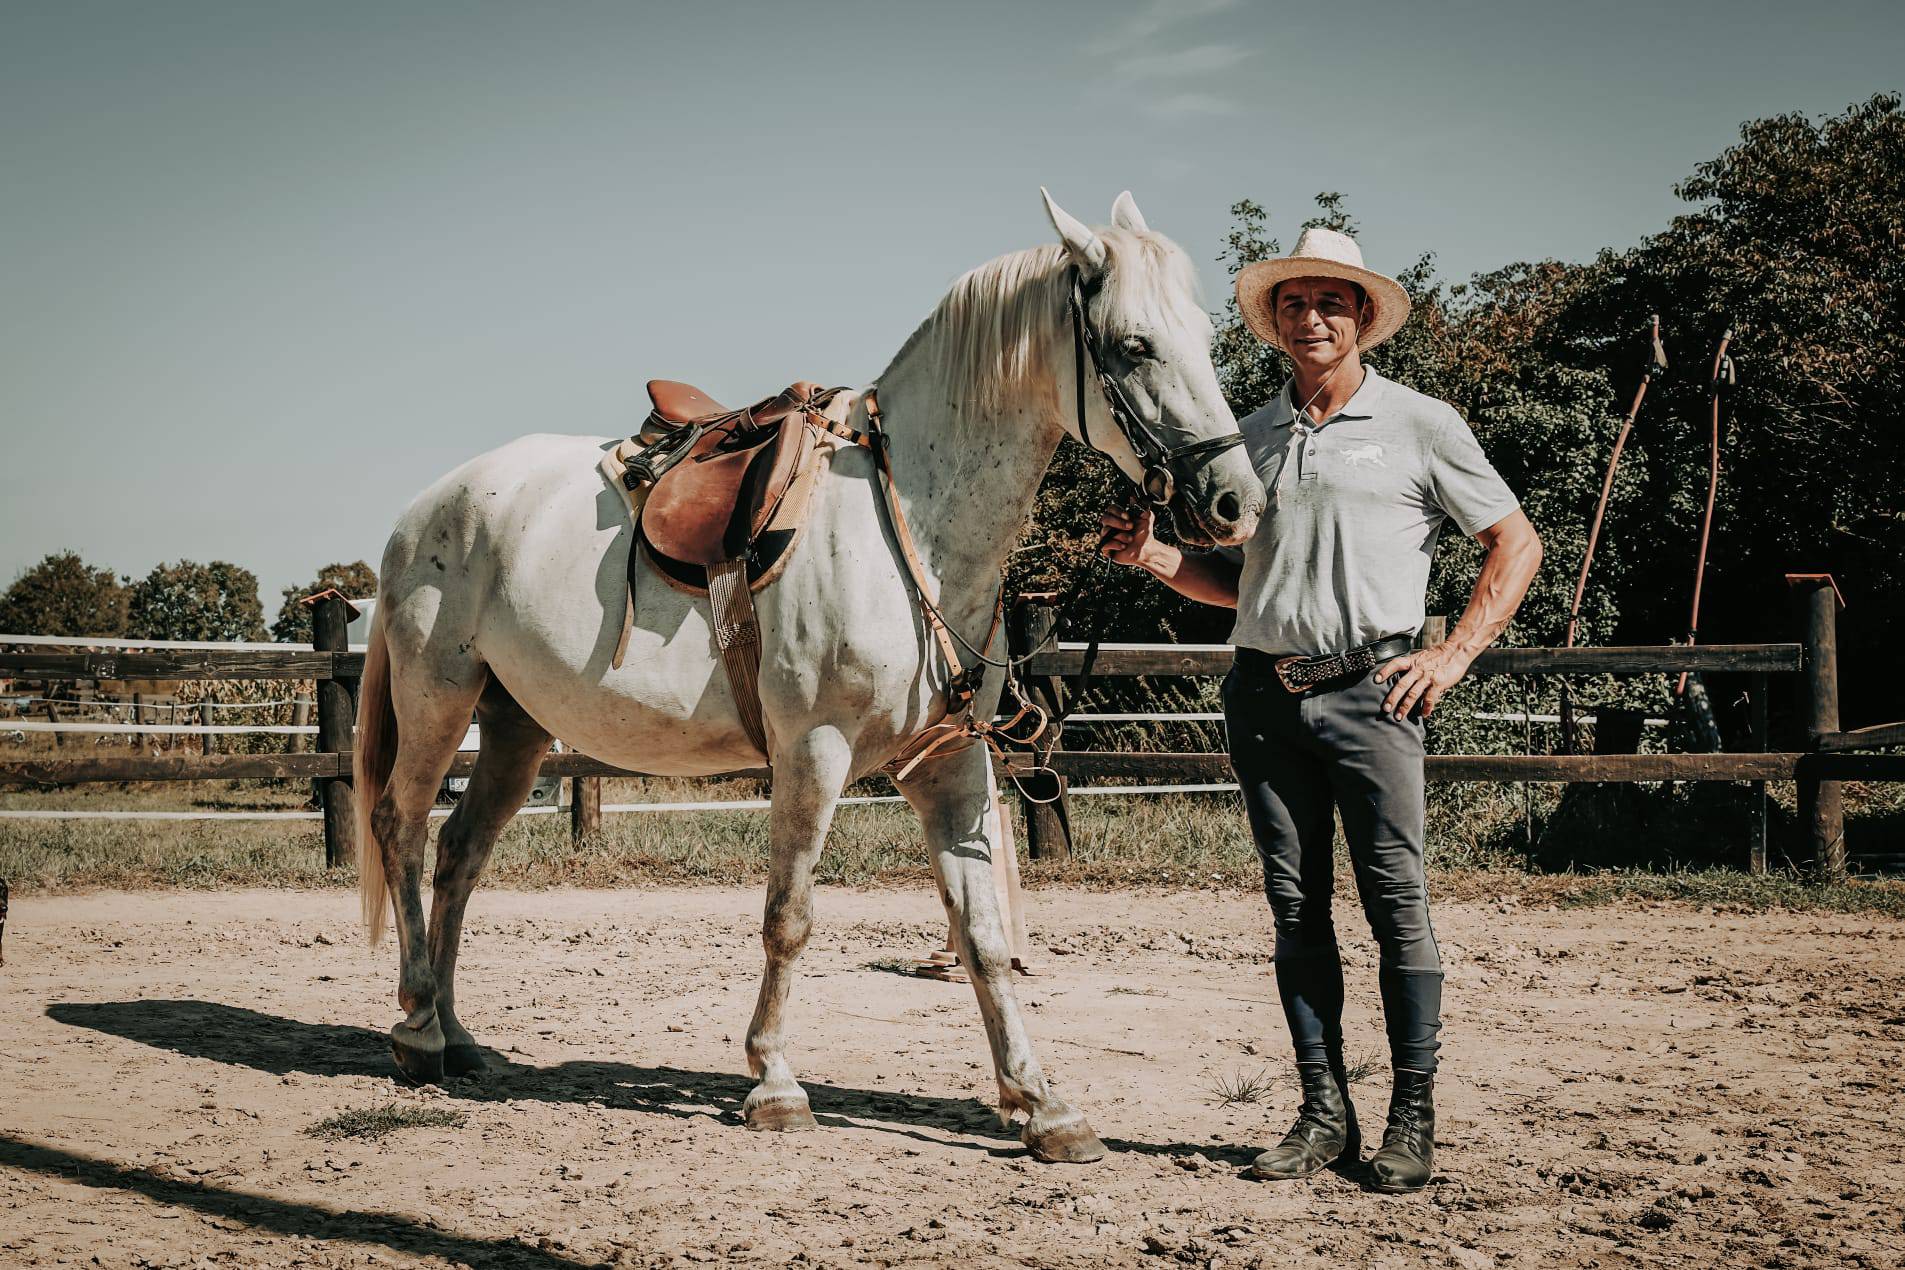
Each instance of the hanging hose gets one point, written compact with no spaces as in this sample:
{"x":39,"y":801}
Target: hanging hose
{"x":1656,"y":364}
{"x":1721,"y":381}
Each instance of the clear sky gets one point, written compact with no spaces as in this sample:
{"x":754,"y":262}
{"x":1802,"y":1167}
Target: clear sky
{"x":267,"y":269}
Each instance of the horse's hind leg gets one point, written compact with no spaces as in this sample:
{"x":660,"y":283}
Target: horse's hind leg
{"x":512,"y":748}
{"x":954,"y":798}
{"x":432,"y":705}
{"x":808,"y":778}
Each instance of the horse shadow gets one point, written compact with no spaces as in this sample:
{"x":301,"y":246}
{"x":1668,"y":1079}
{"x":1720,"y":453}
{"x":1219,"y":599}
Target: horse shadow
{"x":264,"y":1212}
{"x":280,"y":1046}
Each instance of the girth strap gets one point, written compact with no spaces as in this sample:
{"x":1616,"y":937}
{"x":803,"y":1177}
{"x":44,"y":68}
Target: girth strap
{"x":737,"y":633}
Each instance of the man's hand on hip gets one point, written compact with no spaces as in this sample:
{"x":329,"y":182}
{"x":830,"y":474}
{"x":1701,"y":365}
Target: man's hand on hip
{"x":1420,"y":678}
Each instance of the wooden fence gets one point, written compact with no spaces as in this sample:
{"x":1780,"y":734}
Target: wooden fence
{"x":1819,"y":760}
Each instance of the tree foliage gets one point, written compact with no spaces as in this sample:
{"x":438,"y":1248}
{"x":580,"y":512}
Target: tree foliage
{"x":293,"y":623}
{"x":63,"y":595}
{"x":188,"y":600}
{"x":1796,"y":243}
{"x":1795,"y":240}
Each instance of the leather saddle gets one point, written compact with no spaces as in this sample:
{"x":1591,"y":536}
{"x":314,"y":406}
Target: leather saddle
{"x":715,"y":499}
{"x":718,"y":497}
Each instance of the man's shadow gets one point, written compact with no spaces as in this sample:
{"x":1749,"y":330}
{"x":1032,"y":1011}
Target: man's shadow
{"x":281,"y":1046}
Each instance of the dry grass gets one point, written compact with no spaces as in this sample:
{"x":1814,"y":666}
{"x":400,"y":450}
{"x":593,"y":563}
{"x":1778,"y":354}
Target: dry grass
{"x":374,"y":1122}
{"x":1242,"y":1088}
{"x":1174,"y":841}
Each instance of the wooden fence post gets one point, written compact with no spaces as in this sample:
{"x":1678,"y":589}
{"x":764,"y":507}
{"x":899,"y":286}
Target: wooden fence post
{"x":300,"y":718}
{"x":330,"y":617}
{"x":205,"y":720}
{"x":585,"y":806}
{"x":1821,"y":805}
{"x":1048,"y":826}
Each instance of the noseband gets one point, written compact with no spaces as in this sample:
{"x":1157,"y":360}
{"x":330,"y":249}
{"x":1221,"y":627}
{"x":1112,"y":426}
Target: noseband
{"x":1162,"y":464}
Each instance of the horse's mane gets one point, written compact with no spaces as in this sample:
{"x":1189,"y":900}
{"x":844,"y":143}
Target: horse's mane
{"x":992,"y":330}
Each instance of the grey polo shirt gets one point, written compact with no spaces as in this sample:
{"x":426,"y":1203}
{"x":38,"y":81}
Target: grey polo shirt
{"x":1341,"y":556}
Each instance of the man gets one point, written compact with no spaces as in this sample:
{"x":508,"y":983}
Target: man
{"x":1325,"y":701}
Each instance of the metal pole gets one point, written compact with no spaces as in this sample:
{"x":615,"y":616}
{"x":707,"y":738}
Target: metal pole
{"x":1756,"y":856}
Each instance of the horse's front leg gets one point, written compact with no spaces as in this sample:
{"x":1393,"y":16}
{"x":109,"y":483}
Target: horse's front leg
{"x":808,"y":778}
{"x":953,"y":798}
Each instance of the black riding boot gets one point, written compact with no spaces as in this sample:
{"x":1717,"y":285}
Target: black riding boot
{"x":1407,"y":1156}
{"x":1352,"y":1131}
{"x":1324,"y":1128}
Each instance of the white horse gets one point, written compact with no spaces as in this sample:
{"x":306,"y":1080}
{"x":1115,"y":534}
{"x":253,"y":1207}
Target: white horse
{"x":502,"y":591}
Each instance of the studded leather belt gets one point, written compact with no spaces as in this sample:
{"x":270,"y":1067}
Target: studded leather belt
{"x":1301,"y":674}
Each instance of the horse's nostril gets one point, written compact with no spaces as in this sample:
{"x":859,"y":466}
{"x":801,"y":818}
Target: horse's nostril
{"x":1229,"y":507}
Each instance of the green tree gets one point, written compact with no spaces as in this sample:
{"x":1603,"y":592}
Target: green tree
{"x":293,"y":623}
{"x":188,"y":600}
{"x":63,"y":595}
{"x":1795,"y":241}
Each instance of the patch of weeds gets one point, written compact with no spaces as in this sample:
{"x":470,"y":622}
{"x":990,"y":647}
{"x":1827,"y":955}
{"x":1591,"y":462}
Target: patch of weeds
{"x":891,"y":966}
{"x":1122,"y":991}
{"x":374,"y":1122}
{"x":1362,"y":1069}
{"x":1730,"y":890}
{"x":1241,"y":1087}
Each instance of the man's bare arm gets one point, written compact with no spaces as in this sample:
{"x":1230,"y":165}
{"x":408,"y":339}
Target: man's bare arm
{"x":1514,"y":554}
{"x":1208,"y":579}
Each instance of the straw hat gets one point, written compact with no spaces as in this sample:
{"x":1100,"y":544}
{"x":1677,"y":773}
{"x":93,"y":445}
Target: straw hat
{"x":1320,"y":253}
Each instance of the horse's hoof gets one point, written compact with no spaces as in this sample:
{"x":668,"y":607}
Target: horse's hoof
{"x":780,"y":1115}
{"x":417,"y":1064}
{"x":1064,"y":1139}
{"x":464,"y":1060}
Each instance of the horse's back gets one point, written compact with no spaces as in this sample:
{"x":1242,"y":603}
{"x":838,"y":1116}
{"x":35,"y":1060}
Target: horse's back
{"x":518,"y":561}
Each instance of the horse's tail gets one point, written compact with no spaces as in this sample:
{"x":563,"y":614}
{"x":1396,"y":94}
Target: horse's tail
{"x":371,"y":763}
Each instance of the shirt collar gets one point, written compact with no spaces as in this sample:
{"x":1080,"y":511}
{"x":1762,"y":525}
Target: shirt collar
{"x":1362,"y":405}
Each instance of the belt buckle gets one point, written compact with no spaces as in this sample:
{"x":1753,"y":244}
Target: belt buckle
{"x":1282,"y":667}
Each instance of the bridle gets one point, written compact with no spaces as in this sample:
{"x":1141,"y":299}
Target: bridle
{"x":1162,"y":464}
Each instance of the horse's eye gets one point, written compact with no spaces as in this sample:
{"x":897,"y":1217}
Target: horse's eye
{"x":1137,"y":348}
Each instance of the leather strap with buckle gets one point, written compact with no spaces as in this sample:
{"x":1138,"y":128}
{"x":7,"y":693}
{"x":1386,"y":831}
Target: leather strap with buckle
{"x":1301,"y":674}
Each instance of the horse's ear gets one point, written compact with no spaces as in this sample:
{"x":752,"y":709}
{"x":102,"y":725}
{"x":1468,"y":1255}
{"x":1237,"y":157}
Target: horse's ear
{"x":1125,"y":214}
{"x":1086,"y":248}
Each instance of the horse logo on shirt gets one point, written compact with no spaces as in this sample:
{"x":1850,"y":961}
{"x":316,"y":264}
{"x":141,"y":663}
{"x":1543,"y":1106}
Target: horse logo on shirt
{"x":1368,"y":454}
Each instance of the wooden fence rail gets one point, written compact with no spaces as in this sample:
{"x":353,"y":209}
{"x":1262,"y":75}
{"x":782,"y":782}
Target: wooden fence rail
{"x":1818,"y":763}
{"x":1631,"y":659}
{"x":1822,"y":760}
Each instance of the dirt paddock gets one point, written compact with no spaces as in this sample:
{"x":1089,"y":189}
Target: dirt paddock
{"x":1622,"y":1086}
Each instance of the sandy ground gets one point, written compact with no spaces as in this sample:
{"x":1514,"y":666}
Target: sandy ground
{"x":1652,"y":1086}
